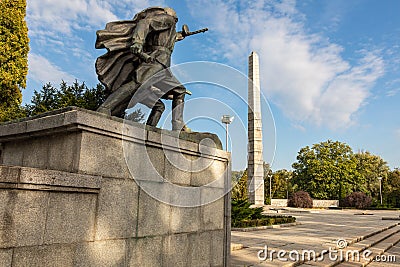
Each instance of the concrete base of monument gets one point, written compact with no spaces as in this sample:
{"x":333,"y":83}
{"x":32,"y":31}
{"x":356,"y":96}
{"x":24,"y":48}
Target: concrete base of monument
{"x":78,"y":188}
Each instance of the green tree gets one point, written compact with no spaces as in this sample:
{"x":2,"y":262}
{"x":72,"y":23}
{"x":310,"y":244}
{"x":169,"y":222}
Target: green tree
{"x":11,"y":112}
{"x":43,"y":101}
{"x":267,"y":179}
{"x":236,"y":176}
{"x":392,"y":192}
{"x":135,"y":115}
{"x":370,"y":167}
{"x":239,"y":186}
{"x":393,"y":180}
{"x":14,"y":48}
{"x":327,"y":170}
{"x":281,"y":180}
{"x":79,"y":95}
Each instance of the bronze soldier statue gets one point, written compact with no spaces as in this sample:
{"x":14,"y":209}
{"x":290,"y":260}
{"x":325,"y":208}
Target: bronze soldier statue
{"x":139,"y":56}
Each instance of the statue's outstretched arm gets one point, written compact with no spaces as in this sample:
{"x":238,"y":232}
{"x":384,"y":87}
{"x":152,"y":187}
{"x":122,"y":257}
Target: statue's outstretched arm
{"x":139,"y":36}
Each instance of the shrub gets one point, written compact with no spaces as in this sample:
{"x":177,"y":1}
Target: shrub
{"x":358,"y":200}
{"x":244,"y":216}
{"x":300,"y":199}
{"x":241,"y":211}
{"x":393,"y":198}
{"x":267,"y":220}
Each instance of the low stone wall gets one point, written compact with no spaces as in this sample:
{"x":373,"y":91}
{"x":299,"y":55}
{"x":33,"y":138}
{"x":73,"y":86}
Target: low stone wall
{"x":316,"y":203}
{"x":78,"y":188}
{"x":325,"y":203}
{"x":279,"y":202}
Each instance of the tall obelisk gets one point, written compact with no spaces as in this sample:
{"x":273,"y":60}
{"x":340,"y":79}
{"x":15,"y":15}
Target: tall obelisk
{"x":255,"y":168}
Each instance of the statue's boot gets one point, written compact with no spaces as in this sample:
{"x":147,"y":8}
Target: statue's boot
{"x":112,"y":105}
{"x":177,"y":114}
{"x":155,"y":114}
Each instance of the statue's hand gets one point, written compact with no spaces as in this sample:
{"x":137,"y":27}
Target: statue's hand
{"x":136,"y":48}
{"x":147,"y":58}
{"x":179,"y":37}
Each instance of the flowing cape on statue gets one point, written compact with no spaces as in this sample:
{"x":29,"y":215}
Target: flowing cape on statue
{"x":117,"y":66}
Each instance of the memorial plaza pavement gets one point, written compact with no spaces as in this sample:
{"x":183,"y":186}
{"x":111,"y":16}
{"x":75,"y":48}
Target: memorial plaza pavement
{"x":318,"y":230}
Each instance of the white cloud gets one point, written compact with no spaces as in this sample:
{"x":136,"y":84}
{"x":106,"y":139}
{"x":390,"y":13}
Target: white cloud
{"x":59,"y":32}
{"x":392,"y":87}
{"x":61,"y":26}
{"x":299,"y":127}
{"x":66,"y":16}
{"x":393,"y":92}
{"x":304,"y":74}
{"x":43,"y":71}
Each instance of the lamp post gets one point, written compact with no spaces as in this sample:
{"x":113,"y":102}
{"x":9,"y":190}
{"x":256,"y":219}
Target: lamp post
{"x":287,"y":187}
{"x":227,"y":119}
{"x":380,"y":188}
{"x":270,"y":189}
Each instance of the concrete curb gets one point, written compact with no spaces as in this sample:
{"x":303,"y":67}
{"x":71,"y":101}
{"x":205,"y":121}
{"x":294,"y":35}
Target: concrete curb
{"x":257,"y":228}
{"x":391,"y":218}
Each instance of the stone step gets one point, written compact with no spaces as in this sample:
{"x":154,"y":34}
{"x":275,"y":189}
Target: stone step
{"x":378,"y":242}
{"x":379,"y":247}
{"x":373,"y":240}
{"x":390,"y":258}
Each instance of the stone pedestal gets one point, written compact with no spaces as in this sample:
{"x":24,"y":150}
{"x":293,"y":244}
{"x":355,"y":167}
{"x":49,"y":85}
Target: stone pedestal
{"x":78,"y":188}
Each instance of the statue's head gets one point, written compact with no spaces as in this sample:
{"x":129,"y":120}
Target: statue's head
{"x":151,"y":11}
{"x":171,"y":12}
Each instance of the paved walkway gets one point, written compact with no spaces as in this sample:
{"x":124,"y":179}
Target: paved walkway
{"x":318,"y":231}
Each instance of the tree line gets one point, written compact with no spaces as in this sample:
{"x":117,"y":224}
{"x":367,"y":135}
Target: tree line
{"x":329,"y":170}
{"x":50,"y":98}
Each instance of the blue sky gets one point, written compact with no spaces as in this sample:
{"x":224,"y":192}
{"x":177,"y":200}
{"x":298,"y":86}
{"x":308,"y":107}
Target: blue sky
{"x":329,"y":69}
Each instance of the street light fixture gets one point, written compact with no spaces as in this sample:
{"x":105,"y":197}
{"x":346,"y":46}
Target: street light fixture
{"x":227,"y":119}
{"x":380,"y":188}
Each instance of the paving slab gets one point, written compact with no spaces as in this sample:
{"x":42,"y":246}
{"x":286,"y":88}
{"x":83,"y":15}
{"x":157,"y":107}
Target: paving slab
{"x":390,"y":258}
{"x":318,"y":231}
